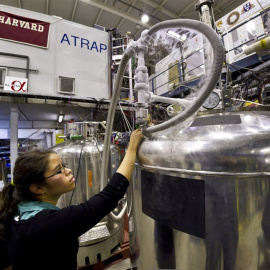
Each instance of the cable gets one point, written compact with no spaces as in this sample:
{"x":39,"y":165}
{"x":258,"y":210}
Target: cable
{"x":96,"y":141}
{"x":265,"y":12}
{"x":235,"y":67}
{"x":22,"y":112}
{"x":243,"y":100}
{"x":77,"y":173}
{"x":74,"y":116}
{"x":125,"y":118}
{"x":30,"y":135}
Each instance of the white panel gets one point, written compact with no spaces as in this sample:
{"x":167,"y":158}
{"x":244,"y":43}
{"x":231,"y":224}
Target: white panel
{"x":4,"y":134}
{"x":83,"y":55}
{"x":41,"y":60}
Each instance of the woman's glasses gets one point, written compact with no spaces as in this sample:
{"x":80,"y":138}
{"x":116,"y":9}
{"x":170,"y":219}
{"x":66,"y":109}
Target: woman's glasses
{"x":61,"y":170}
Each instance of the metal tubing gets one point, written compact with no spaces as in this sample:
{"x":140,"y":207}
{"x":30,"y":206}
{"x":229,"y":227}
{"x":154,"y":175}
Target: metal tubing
{"x":14,"y":116}
{"x":218,"y":57}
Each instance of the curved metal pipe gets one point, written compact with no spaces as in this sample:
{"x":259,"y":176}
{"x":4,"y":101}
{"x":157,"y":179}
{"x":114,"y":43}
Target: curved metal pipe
{"x":150,"y":97}
{"x":218,"y":57}
{"x":218,"y":53}
{"x":207,"y":173}
{"x":120,"y":215}
{"x":110,"y":119}
{"x":108,"y":131}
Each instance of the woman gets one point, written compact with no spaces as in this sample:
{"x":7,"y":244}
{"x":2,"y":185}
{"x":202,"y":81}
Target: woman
{"x":38,"y":234}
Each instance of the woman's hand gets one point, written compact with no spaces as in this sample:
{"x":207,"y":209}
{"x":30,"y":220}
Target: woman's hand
{"x":135,"y":139}
{"x":127,"y":165}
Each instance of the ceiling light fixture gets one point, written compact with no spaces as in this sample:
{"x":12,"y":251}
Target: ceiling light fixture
{"x":60,"y":118}
{"x":177,"y":36}
{"x":174,"y":34}
{"x":144,"y":18}
{"x":183,"y":37}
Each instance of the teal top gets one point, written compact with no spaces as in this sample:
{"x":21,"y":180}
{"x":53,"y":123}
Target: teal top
{"x":29,"y":209}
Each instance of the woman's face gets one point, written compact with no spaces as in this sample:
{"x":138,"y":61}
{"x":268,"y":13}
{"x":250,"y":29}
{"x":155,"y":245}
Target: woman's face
{"x":58,"y":181}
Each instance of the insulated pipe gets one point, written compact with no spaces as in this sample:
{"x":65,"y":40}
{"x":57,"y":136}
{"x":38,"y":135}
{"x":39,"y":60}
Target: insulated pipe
{"x":14,"y":117}
{"x":218,"y":52}
{"x":108,"y":131}
{"x":218,"y":57}
{"x":259,"y":46}
{"x":150,"y":97}
{"x":110,"y":119}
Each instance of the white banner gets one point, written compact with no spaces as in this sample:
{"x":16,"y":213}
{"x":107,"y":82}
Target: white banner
{"x":241,"y":13}
{"x":24,"y":30}
{"x":15,"y":84}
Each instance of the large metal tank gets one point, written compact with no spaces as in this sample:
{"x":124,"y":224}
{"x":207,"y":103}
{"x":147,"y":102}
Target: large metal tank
{"x":200,"y":198}
{"x":82,"y":151}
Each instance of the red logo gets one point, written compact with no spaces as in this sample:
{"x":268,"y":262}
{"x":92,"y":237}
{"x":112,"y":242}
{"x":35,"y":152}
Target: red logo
{"x":18,"y":86}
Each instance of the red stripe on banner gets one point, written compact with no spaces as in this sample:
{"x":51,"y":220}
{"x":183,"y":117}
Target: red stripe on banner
{"x":24,"y":30}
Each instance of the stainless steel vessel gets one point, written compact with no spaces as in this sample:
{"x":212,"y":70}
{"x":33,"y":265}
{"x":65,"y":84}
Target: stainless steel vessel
{"x":82,"y":151}
{"x":200,"y":194}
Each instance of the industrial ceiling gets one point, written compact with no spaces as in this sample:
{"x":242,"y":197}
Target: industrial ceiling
{"x":123,"y":15}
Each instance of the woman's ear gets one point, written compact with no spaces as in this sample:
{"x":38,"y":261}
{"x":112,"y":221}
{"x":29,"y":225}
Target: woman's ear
{"x":37,"y":189}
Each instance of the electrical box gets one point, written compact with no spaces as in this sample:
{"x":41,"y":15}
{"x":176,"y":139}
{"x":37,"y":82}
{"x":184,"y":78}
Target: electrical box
{"x":174,"y":73}
{"x":164,"y":70}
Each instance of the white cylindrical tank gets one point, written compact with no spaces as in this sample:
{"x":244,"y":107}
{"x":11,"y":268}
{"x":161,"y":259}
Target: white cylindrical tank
{"x":258,"y":46}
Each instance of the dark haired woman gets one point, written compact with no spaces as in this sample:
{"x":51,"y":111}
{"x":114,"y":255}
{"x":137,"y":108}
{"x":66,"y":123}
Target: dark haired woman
{"x":38,"y":234}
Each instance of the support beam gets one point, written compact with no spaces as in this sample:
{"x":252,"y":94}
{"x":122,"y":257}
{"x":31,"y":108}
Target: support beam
{"x":187,"y":7}
{"x":14,"y":116}
{"x":159,"y":7}
{"x":74,"y":10}
{"x":47,"y":6}
{"x":100,"y":12}
{"x":121,"y":21}
{"x":116,"y":12}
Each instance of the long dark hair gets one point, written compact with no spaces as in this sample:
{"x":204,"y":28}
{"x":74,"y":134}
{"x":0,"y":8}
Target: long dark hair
{"x":29,"y":169}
